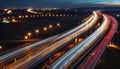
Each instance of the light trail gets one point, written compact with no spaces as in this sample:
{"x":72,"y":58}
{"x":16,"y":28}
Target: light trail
{"x":27,"y":60}
{"x":97,"y":52}
{"x":66,"y":60}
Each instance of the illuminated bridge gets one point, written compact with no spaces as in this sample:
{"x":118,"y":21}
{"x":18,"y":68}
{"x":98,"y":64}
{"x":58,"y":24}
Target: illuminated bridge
{"x":67,"y":50}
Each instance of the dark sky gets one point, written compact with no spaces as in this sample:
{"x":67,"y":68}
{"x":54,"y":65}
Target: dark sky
{"x":53,"y":3}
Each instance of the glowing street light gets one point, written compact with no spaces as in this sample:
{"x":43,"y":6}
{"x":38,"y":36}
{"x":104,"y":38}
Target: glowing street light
{"x":57,"y":15}
{"x":22,"y":16}
{"x":45,"y":28}
{"x":0,"y":47}
{"x":26,"y":16}
{"x":26,"y":37}
{"x":49,"y":15}
{"x":8,"y":17}
{"x":58,"y":24}
{"x":50,"y":26}
{"x":29,"y":34}
{"x":37,"y":31}
{"x":98,"y":24}
{"x":13,"y":20}
{"x":19,"y":16}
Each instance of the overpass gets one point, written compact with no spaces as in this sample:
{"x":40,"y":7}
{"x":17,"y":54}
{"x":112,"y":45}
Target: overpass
{"x":30,"y":56}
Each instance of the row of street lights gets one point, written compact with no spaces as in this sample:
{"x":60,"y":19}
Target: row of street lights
{"x":27,"y":16}
{"x":0,"y":46}
{"x":37,"y":31}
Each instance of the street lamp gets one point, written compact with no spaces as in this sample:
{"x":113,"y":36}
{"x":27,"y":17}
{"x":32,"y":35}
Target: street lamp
{"x":26,"y":37}
{"x":13,"y":20}
{"x":50,"y":26}
{"x":37,"y":31}
{"x":45,"y":28}
{"x":19,"y":16}
{"x":58,"y":24}
{"x":0,"y":47}
{"x":29,"y":34}
{"x":26,"y":16}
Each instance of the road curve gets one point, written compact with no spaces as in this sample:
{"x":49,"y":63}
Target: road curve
{"x":33,"y":55}
{"x":97,"y":52}
{"x":66,"y":60}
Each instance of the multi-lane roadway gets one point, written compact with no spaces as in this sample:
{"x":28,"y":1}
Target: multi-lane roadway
{"x":73,"y":54}
{"x":97,"y":52}
{"x":39,"y":51}
{"x":29,"y":56}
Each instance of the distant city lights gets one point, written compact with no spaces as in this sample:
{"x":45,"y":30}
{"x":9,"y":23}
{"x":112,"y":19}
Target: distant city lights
{"x":5,"y":9}
{"x":14,"y":20}
{"x":118,"y":15}
{"x":5,"y":21}
{"x":9,"y":11}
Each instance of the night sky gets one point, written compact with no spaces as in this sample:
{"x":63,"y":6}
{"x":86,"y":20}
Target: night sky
{"x":53,"y":3}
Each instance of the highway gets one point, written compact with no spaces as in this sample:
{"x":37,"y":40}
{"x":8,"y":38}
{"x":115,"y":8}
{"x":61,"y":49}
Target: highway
{"x":25,"y":49}
{"x":97,"y":52}
{"x":22,"y":51}
{"x":38,"y":52}
{"x":69,"y":57}
{"x":89,"y":48}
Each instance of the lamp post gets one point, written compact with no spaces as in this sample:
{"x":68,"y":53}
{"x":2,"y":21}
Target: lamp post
{"x":37,"y":32}
{"x":50,"y":26}
{"x":0,"y":47}
{"x":45,"y":29}
{"x":58,"y":24}
{"x":26,"y":37}
{"x":29,"y":35}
